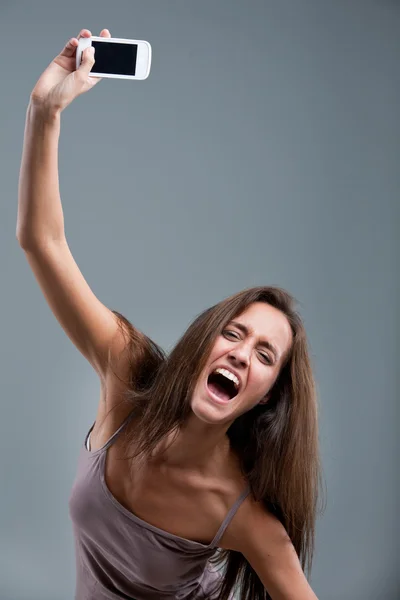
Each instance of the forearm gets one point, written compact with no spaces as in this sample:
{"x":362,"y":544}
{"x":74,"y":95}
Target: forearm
{"x":40,"y":214}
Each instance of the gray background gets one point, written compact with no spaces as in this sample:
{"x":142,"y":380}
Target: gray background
{"x":263,"y":149}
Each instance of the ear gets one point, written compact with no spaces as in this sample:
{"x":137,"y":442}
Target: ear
{"x":265,"y":399}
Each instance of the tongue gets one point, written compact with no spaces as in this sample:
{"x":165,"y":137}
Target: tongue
{"x":219,"y":391}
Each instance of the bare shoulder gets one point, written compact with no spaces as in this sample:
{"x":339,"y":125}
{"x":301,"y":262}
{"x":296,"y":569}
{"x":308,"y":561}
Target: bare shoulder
{"x":263,"y":541}
{"x":112,"y":408}
{"x":252,"y":517}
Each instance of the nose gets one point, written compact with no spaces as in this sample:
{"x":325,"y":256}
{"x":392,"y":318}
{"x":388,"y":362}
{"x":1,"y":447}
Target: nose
{"x":240,"y":355}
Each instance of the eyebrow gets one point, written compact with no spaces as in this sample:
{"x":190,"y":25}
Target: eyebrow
{"x":246,"y":330}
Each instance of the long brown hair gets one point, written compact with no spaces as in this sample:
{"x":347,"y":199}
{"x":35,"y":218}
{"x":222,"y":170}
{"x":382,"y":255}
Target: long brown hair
{"x":277,"y":442}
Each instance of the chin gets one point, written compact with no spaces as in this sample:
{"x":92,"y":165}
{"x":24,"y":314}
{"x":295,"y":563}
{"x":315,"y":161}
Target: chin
{"x":200,"y":409}
{"x":207,"y":412}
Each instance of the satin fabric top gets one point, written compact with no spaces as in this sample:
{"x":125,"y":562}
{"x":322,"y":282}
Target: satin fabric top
{"x":121,"y":557}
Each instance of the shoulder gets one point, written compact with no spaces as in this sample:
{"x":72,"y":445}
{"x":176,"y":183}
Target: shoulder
{"x":253,"y":520}
{"x":263,"y":541}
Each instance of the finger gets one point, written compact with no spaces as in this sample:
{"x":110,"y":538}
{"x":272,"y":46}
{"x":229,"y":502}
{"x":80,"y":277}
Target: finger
{"x":87,"y":62}
{"x":69,"y":48}
{"x":105,"y":33}
{"x":84,"y":33}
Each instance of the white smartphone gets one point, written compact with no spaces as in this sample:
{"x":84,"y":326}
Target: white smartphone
{"x":117,"y":58}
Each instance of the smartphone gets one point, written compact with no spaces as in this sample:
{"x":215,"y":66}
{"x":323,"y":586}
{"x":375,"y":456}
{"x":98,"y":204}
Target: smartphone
{"x":117,"y":58}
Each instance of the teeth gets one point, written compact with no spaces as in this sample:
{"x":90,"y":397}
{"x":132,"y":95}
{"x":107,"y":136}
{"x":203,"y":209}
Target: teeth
{"x":229,"y":375}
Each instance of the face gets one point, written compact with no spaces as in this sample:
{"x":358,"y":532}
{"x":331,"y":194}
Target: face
{"x":250,"y":351}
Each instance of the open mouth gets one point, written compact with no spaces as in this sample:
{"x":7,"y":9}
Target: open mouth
{"x":223,"y":384}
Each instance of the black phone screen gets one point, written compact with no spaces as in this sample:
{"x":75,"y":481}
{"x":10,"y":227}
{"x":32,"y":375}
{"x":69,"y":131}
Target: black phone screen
{"x":114,"y":58}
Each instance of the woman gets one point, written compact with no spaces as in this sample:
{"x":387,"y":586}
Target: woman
{"x":202,"y":459}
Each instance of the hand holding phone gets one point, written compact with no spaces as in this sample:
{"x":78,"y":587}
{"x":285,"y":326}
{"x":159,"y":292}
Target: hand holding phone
{"x":61,"y":82}
{"x":117,"y":58}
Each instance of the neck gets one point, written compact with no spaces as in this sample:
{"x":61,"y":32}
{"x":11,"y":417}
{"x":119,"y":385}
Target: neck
{"x":197,"y":446}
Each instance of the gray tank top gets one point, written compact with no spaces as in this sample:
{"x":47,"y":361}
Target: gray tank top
{"x":121,"y":557}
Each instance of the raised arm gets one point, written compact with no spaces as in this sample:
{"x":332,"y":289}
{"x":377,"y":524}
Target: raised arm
{"x":91,"y":326}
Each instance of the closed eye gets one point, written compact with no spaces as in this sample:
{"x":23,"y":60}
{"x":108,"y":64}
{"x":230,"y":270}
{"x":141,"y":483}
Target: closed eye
{"x":227,"y":332}
{"x":266,"y":357}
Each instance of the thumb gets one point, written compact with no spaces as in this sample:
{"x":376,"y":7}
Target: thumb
{"x":87,"y":61}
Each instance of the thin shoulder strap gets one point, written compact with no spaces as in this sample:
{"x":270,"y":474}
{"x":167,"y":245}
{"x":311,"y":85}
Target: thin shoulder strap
{"x":233,"y":510}
{"x":114,"y":435}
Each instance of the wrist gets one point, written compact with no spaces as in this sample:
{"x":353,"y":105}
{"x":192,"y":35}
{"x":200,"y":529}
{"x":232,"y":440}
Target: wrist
{"x":40,"y":111}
